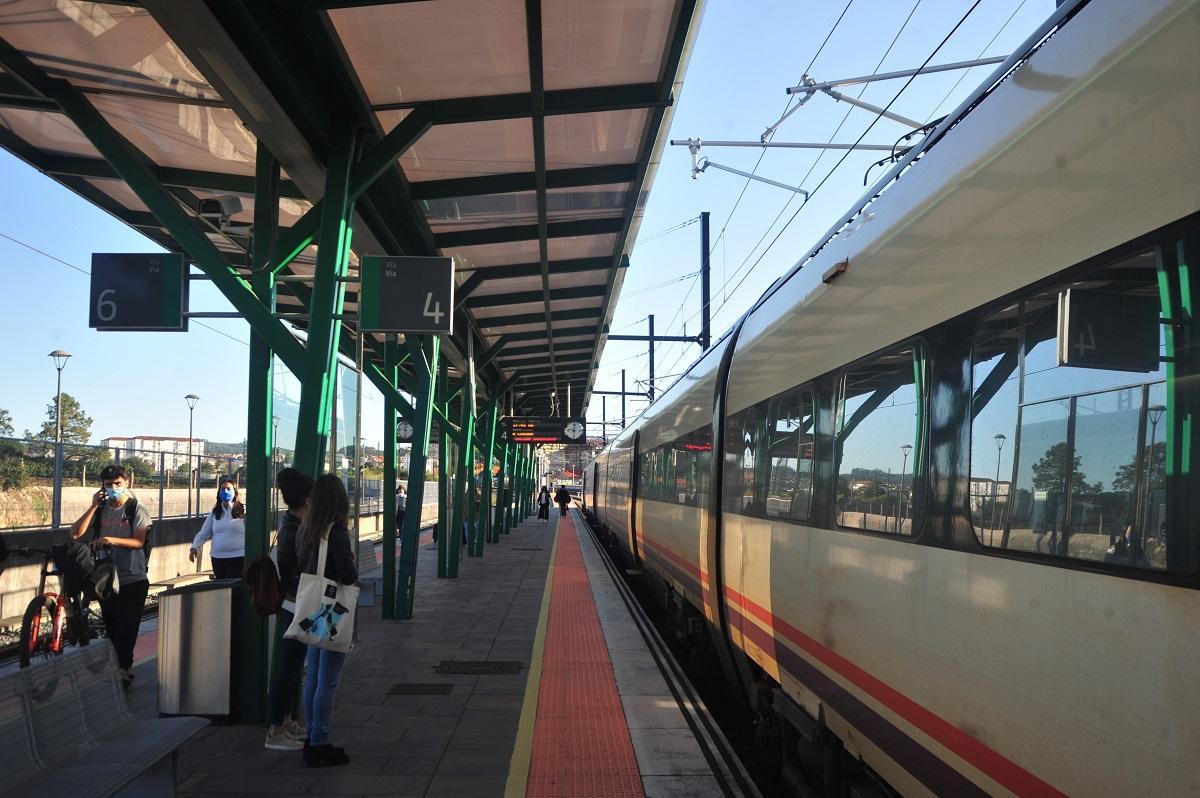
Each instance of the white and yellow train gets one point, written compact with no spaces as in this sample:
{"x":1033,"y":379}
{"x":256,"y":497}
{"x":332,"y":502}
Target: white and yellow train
{"x":937,"y":494}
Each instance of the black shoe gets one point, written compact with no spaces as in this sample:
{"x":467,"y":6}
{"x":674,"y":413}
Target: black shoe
{"x":324,"y":756}
{"x":126,"y":678}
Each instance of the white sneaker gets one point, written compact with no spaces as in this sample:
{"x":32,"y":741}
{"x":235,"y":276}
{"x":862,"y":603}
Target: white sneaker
{"x":283,"y":742}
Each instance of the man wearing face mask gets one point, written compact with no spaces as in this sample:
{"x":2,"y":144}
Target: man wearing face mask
{"x":122,"y":536}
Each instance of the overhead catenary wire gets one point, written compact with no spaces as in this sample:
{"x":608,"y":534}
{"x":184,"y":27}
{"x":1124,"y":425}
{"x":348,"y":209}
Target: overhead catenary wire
{"x":725,"y":225}
{"x":86,"y":273}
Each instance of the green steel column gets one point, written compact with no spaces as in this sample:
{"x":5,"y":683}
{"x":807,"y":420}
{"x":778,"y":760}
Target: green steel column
{"x":499,"y":524}
{"x":489,"y":455}
{"x":320,"y":354}
{"x":445,"y":538}
{"x":390,"y":409}
{"x":252,"y":665}
{"x":466,"y":473}
{"x":425,"y":365}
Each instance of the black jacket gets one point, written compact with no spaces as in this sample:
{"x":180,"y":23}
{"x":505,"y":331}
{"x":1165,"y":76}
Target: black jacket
{"x":339,"y":562}
{"x":289,"y":566}
{"x":562,"y":496}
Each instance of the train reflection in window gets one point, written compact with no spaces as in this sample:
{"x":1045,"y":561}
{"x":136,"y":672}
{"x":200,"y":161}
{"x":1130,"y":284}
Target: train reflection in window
{"x":1071,"y":461}
{"x":789,"y":460}
{"x":879,"y":442}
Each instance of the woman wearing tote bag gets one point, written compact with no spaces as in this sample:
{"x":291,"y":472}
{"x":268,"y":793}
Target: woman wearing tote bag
{"x":325,"y":602}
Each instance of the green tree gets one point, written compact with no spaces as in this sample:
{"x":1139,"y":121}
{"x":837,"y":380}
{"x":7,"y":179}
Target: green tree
{"x":77,"y":425}
{"x":1050,"y":473}
{"x":142,"y":468}
{"x":1127,"y":475}
{"x":13,"y":474}
{"x":6,"y":427}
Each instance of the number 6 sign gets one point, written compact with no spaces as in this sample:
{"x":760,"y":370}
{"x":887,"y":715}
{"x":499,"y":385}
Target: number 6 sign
{"x":138,"y":291}
{"x":406,"y":295}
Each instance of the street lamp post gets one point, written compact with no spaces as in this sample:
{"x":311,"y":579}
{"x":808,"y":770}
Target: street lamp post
{"x":906,"y":449}
{"x":191,"y":400}
{"x":274,"y":467}
{"x":60,"y":361}
{"x":999,"y":438}
{"x":1154,"y":414}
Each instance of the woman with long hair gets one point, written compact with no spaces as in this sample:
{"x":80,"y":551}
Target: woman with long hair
{"x":543,"y":504}
{"x":326,"y":519}
{"x":225,"y":526}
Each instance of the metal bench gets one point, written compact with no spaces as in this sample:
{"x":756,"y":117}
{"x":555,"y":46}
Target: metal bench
{"x":66,"y":729}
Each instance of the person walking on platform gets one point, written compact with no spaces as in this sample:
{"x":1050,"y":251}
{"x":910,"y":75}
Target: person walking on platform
{"x":401,"y":501}
{"x":119,"y":526}
{"x":225,"y":526}
{"x":327,"y":518}
{"x":543,"y":504}
{"x":563,"y":497}
{"x":283,"y":696}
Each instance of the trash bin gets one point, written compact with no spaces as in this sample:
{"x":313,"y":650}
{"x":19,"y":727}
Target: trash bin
{"x":196,"y":638}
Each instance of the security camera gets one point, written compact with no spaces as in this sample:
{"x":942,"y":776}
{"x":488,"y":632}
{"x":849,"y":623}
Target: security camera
{"x":217,"y":210}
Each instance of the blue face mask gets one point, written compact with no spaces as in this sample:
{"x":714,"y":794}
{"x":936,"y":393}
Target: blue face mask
{"x":114,"y":493}
{"x":225,"y":495}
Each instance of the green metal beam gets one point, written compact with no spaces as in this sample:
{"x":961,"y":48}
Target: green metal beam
{"x":130,"y":164}
{"x":569,"y":266}
{"x":595,"y":99}
{"x":570,"y":314}
{"x":528,"y":232}
{"x":492,"y":352}
{"x":515,"y":351}
{"x":464,"y":291}
{"x":524,"y":297}
{"x":577,"y":177}
{"x":98,"y":168}
{"x":538,"y":335}
{"x":320,"y":355}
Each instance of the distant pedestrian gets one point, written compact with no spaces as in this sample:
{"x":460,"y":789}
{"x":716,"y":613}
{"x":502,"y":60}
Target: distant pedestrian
{"x":401,"y":501}
{"x":225,"y":526}
{"x":327,"y":518}
{"x":543,"y":504}
{"x":283,"y":697}
{"x":563,"y":497}
{"x":119,"y":526}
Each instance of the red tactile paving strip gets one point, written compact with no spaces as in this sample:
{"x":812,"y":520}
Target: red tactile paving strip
{"x":146,"y":646}
{"x":581,"y":744}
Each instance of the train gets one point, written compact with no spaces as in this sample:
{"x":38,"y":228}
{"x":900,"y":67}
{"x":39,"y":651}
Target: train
{"x":932,"y":504}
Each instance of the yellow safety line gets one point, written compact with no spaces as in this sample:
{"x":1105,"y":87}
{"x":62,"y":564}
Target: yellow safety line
{"x":518,"y":767}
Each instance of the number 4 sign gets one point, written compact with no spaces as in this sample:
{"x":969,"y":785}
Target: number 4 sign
{"x":406,"y":295}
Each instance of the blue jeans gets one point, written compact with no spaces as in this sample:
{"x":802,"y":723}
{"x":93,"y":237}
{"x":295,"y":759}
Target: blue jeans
{"x":324,"y":673}
{"x":287,"y":670}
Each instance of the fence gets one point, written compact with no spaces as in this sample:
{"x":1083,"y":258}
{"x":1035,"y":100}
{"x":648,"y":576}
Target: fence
{"x":44,"y":484}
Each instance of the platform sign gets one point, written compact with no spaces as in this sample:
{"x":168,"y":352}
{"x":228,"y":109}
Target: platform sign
{"x":531,"y":429}
{"x":406,"y":295}
{"x":138,"y":291}
{"x":1108,"y":330}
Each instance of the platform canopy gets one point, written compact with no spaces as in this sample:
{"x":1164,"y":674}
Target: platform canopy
{"x":528,"y":134}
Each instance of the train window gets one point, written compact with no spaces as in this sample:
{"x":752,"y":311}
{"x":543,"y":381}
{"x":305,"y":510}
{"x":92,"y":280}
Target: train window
{"x":1074,"y":428}
{"x":789,"y":472}
{"x":879,"y":442}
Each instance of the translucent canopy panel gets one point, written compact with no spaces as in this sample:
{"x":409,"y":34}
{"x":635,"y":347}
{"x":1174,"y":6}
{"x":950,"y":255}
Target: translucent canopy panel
{"x":182,"y":136}
{"x":589,"y":43}
{"x":471,"y":148}
{"x":484,"y":255}
{"x":102,"y":46}
{"x":582,"y":246}
{"x":497,"y":326}
{"x":48,"y":132}
{"x":586,"y":202}
{"x":120,"y":192}
{"x":487,"y":210}
{"x":574,"y":304}
{"x":604,"y":137}
{"x":408,"y":52}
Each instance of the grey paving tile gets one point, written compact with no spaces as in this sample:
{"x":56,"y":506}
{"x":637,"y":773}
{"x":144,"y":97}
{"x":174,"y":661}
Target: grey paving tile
{"x":668,"y":752}
{"x":652,"y":712}
{"x":681,"y":787}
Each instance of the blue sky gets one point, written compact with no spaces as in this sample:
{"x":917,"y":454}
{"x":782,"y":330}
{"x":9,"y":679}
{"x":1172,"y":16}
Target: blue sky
{"x":744,"y":57}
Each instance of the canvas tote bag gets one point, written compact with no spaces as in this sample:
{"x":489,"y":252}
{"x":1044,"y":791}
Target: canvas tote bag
{"x":324,"y":608}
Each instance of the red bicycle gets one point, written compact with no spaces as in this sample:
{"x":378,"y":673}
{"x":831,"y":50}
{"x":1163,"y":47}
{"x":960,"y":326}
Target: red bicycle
{"x":54,"y":621}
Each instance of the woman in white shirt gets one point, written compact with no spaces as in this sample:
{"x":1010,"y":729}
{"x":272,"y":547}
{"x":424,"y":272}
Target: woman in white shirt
{"x":226,"y":528}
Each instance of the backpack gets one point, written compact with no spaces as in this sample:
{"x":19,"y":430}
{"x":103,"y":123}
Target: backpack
{"x":80,"y":573}
{"x":262,"y":580}
{"x":131,"y":506}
